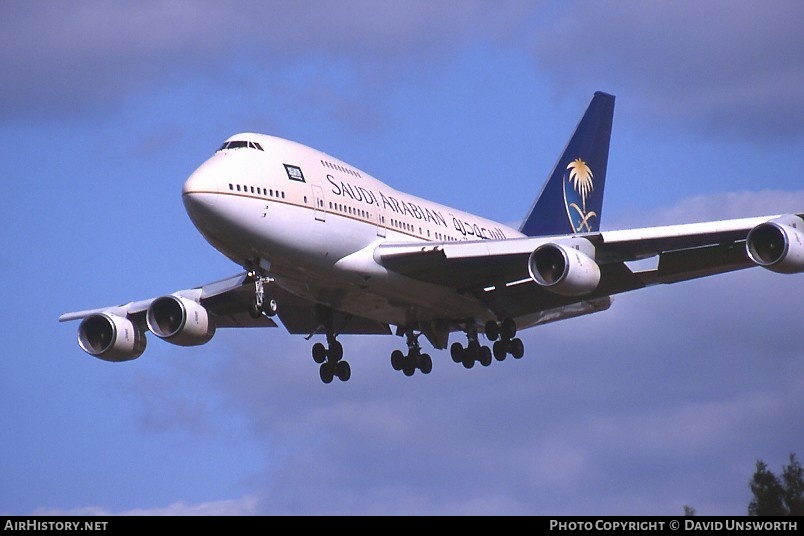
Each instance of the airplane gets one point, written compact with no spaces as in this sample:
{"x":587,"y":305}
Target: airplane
{"x":329,"y":250}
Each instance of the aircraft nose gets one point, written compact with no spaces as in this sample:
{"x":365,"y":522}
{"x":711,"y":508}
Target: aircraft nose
{"x":203,"y":181}
{"x":201,"y":189}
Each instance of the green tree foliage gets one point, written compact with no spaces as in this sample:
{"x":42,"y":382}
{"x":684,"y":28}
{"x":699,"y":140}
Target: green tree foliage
{"x":793,"y":482}
{"x":775,"y":496}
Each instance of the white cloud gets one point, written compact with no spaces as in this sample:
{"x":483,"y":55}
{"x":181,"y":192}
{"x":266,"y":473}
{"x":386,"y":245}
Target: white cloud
{"x":721,"y":206}
{"x":725,"y":67}
{"x":243,"y":506}
{"x":91,"y":53}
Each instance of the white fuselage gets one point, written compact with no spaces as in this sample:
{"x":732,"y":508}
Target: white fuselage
{"x":314,"y":222}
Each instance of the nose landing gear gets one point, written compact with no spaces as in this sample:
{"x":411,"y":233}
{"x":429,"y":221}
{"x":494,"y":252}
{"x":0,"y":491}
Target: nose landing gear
{"x":262,"y":305}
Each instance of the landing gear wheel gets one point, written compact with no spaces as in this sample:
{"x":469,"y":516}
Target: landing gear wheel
{"x":254,"y":310}
{"x":319,"y":353}
{"x":397,"y":359}
{"x":492,"y":330}
{"x":343,"y":370}
{"x":327,"y":372}
{"x":508,"y":329}
{"x":456,"y":351}
{"x":485,"y":356}
{"x":408,"y":369}
{"x":270,"y":307}
{"x":425,"y":364}
{"x":500,"y":350}
{"x":335,"y":352}
{"x":517,"y":348}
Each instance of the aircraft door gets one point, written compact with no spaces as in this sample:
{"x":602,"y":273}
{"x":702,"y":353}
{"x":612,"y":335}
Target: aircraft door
{"x":318,"y":201}
{"x":381,"y":223}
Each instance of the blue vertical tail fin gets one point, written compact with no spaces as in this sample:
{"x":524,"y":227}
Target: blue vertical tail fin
{"x":571,"y":201}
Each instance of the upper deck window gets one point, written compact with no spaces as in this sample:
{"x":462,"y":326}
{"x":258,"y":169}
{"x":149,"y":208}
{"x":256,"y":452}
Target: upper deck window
{"x":240,"y":144}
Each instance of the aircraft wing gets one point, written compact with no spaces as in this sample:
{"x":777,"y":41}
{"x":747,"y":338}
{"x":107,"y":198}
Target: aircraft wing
{"x":226,"y":299}
{"x":190,"y":317}
{"x":500,"y":272}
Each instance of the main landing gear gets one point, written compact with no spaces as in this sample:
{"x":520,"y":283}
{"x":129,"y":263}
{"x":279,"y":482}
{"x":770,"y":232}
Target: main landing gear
{"x":504,"y":335}
{"x":330,"y":358}
{"x":415,"y":359}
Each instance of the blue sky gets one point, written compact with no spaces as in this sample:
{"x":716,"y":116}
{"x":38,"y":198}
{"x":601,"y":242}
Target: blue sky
{"x":665,"y":400}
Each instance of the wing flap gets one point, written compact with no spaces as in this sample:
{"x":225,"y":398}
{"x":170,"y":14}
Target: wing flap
{"x":306,"y":320}
{"x":527,"y":297}
{"x":683,"y":265}
{"x":460,"y":264}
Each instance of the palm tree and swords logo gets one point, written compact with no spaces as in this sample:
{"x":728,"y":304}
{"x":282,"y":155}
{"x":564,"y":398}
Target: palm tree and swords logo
{"x":577,"y":187}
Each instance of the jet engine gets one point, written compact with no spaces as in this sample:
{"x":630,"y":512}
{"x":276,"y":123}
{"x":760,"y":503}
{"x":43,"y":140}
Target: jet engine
{"x":111,"y":337}
{"x":180,"y":321}
{"x":778,"y":245}
{"x":563,"y":270}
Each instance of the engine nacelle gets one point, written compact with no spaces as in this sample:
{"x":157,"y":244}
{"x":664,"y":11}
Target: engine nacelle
{"x":563,"y":270}
{"x":111,"y":337}
{"x":778,"y":245}
{"x":180,"y":321}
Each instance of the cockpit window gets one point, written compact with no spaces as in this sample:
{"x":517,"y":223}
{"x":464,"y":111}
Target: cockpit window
{"x":239,"y":144}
